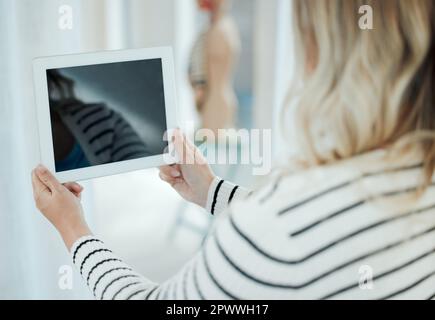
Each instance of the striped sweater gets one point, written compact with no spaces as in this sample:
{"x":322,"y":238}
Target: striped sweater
{"x":353,"y":230}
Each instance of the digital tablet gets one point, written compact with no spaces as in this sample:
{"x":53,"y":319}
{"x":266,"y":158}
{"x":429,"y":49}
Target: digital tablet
{"x":105,"y":113}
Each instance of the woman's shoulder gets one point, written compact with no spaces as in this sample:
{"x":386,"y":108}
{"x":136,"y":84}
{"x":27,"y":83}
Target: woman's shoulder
{"x":372,"y":172}
{"x":287,"y":183}
{"x":75,"y":107}
{"x":292,"y":202}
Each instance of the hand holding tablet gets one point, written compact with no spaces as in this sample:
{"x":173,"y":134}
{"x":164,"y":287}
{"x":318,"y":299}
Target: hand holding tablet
{"x":104,"y":113}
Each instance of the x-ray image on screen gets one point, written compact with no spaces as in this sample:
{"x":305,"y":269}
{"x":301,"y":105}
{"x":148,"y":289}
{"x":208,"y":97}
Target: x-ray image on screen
{"x":106,"y":113}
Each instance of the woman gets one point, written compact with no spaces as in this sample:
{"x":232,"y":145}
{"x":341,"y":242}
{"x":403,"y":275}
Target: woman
{"x":357,"y":222}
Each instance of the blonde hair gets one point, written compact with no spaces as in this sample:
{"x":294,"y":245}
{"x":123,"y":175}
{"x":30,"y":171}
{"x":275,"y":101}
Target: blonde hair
{"x":364,"y":89}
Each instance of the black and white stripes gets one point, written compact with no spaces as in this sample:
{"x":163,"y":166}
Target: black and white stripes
{"x":103,"y":134}
{"x":221,"y":194}
{"x":301,"y":237}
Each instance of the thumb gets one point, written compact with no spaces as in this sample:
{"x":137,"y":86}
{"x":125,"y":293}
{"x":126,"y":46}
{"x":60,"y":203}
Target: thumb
{"x":183,"y":150}
{"x":48,"y":179}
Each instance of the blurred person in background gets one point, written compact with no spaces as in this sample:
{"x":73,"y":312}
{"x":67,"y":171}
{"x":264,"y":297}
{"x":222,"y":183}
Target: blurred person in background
{"x":352,"y":218}
{"x":212,"y":63}
{"x":86,"y":134}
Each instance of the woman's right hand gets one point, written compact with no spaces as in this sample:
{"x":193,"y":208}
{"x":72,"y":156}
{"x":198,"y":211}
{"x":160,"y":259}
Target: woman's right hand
{"x":192,"y":177}
{"x":60,"y":204}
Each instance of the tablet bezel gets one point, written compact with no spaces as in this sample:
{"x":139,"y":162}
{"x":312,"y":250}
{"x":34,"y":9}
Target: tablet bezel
{"x":41,"y":65}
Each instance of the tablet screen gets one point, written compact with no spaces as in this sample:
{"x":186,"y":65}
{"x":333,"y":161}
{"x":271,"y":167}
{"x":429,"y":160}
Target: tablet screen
{"x":106,"y":113}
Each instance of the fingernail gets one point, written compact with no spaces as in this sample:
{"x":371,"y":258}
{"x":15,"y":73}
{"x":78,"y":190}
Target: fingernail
{"x":175,"y":173}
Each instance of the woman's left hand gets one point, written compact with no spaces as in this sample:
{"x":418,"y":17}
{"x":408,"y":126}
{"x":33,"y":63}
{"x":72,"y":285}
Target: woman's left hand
{"x":60,"y":204}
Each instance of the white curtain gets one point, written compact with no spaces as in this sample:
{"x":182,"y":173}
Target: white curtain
{"x":31,"y":253}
